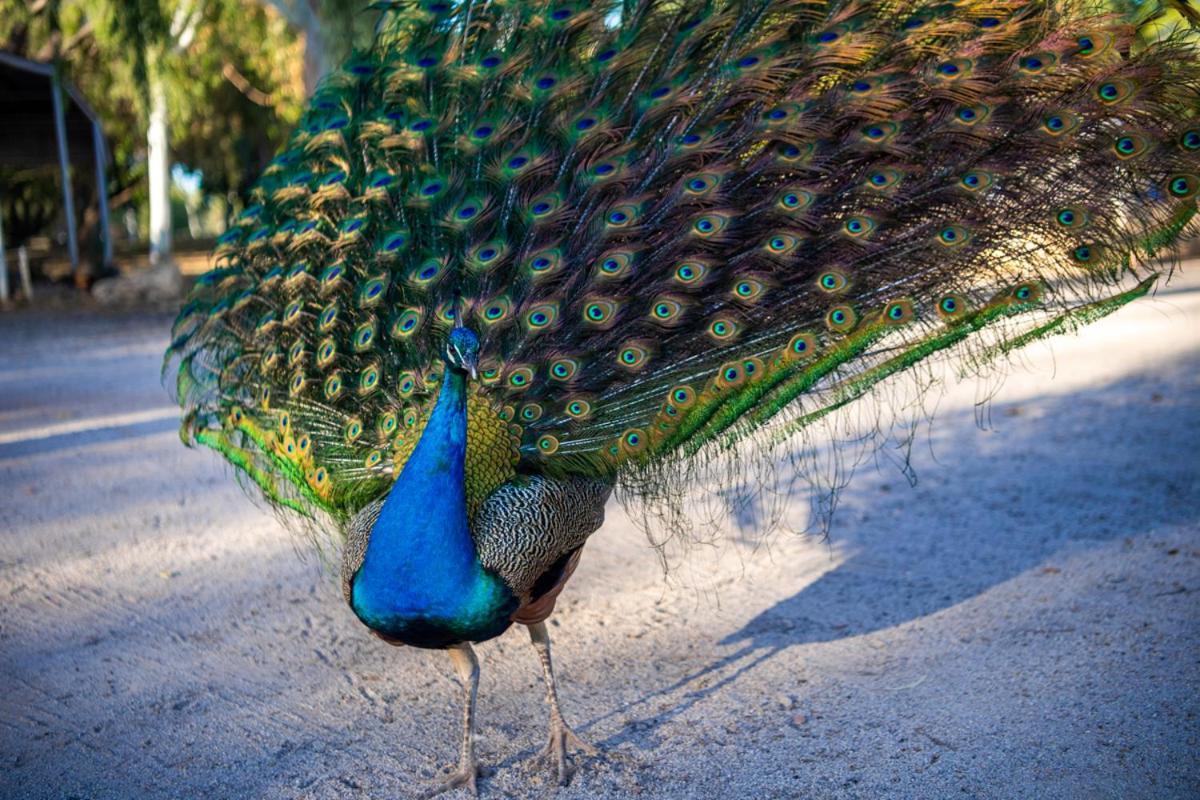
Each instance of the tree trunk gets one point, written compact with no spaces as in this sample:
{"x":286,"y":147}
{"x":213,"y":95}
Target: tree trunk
{"x":316,"y":55}
{"x":159,"y":165}
{"x":303,"y":16}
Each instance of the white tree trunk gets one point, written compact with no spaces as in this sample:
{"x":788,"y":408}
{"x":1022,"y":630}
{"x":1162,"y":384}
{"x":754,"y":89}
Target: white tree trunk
{"x":302,"y":15}
{"x":159,"y":164}
{"x":316,"y":56}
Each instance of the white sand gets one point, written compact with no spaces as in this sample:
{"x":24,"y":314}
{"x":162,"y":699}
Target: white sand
{"x":1023,"y":623}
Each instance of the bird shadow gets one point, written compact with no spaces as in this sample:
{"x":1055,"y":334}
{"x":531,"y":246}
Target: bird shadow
{"x":1050,"y":482}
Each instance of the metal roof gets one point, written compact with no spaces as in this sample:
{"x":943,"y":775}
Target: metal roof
{"x":27,"y":112}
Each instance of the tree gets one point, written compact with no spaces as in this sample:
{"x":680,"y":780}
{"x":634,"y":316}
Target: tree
{"x":223,"y":78}
{"x":330,"y":28}
{"x":214,"y":85}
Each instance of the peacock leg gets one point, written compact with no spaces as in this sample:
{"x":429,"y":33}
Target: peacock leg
{"x":467,"y":667}
{"x":561,"y":736}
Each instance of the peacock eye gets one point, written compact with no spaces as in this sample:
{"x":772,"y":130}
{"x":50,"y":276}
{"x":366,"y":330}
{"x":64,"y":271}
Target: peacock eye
{"x":832,"y":281}
{"x":953,"y":235}
{"x":1183,"y":186}
{"x":859,"y":226}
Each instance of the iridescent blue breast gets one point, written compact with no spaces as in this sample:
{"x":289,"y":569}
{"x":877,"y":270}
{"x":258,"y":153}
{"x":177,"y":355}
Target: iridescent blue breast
{"x":421,"y":581}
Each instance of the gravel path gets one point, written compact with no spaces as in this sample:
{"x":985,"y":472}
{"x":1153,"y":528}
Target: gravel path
{"x":1022,"y":623}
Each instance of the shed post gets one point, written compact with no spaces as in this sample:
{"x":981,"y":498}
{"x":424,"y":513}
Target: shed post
{"x":102,"y":190}
{"x":64,"y":164}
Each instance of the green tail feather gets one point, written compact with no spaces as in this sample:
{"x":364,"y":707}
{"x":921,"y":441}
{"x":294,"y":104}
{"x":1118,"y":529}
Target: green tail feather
{"x":858,"y":386}
{"x":244,"y":462}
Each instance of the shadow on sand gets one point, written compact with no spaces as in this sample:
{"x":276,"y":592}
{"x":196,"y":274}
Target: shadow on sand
{"x":1083,"y":439}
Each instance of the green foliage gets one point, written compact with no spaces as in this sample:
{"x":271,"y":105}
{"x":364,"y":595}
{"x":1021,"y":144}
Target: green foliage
{"x":234,"y":88}
{"x":140,"y":27}
{"x":28,"y":203}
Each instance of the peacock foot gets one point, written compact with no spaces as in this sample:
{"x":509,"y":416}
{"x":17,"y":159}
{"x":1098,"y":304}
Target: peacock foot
{"x":465,"y":775}
{"x":555,"y":752}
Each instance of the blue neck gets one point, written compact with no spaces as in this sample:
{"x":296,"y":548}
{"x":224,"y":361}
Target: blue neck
{"x":426,"y":510}
{"x":420,"y":580}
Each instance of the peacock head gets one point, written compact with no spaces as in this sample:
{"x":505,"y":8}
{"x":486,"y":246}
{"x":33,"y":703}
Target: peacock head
{"x":462,"y":351}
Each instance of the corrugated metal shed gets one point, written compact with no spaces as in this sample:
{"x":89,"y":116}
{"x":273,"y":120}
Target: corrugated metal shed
{"x":47,"y":121}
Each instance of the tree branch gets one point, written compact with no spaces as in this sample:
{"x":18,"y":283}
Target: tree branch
{"x":183,"y":25}
{"x":243,"y":85}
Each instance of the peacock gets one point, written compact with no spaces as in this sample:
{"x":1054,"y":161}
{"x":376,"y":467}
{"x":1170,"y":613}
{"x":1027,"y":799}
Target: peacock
{"x":519,"y":255}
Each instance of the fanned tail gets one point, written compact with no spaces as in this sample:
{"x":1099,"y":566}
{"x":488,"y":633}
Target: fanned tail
{"x":680,"y":229}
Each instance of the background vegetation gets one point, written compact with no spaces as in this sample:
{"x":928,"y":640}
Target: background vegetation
{"x":228,"y":78}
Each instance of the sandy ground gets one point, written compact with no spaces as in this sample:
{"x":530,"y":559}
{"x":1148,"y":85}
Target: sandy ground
{"x":1022,"y":623}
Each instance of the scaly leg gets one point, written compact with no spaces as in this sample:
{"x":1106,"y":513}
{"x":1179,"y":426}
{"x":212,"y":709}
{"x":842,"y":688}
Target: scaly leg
{"x":561,"y":736}
{"x":467,"y":667}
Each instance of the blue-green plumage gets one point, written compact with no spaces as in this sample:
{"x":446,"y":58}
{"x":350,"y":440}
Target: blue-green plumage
{"x":421,"y":581}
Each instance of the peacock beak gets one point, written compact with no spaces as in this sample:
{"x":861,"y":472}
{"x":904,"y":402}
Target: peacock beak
{"x":470,"y":363}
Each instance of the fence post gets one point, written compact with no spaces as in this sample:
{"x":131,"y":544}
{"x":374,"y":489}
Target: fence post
{"x":23,"y":268}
